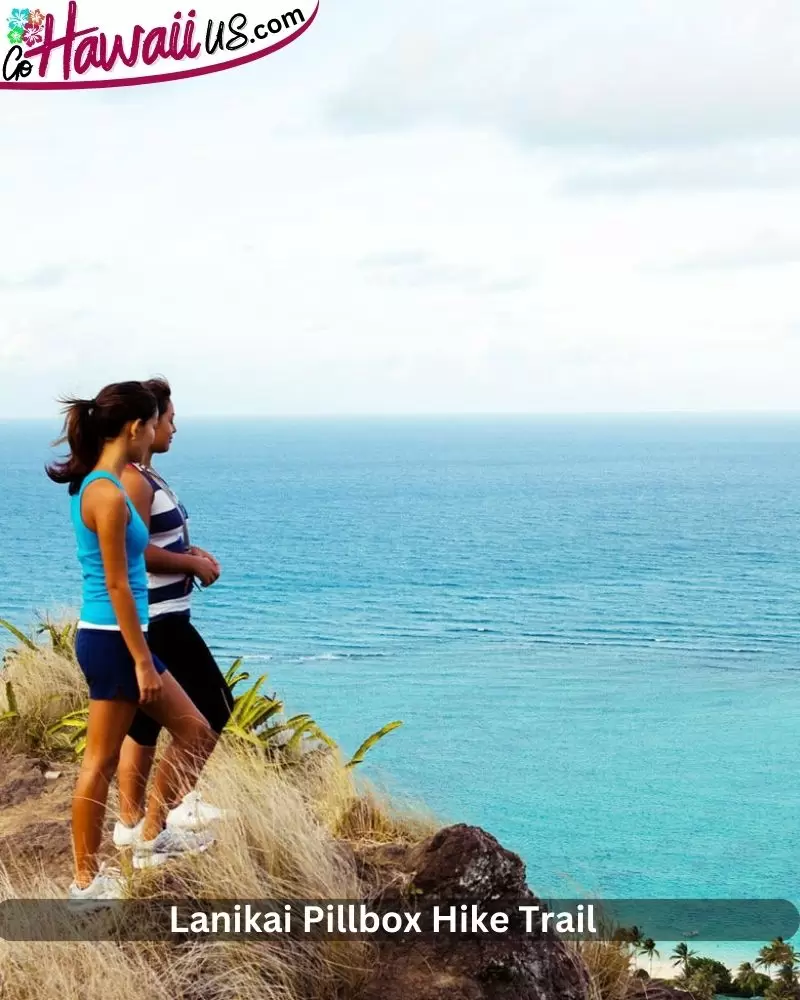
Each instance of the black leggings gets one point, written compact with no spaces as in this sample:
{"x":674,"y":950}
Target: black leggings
{"x":178,"y":644}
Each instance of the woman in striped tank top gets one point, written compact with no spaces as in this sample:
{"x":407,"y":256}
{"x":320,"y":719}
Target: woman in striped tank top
{"x":173,"y":564}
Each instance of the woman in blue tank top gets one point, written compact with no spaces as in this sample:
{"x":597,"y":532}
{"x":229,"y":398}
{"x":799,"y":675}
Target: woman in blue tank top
{"x":104,"y":435}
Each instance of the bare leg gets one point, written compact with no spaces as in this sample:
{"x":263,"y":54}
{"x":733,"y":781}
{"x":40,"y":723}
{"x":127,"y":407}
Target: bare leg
{"x":187,"y":781}
{"x":135,"y":765}
{"x":108,"y":724}
{"x":192,"y":743}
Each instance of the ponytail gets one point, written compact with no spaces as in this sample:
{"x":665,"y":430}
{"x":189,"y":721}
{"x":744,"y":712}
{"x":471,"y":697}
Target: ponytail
{"x":90,"y":423}
{"x":82,"y":433}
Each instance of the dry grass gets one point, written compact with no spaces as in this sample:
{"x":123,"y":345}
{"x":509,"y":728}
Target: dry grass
{"x":46,"y":687}
{"x":293,"y":832}
{"x":609,"y":964}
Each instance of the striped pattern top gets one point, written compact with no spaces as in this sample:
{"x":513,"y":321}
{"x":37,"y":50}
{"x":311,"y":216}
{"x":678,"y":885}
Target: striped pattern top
{"x":168,"y":594}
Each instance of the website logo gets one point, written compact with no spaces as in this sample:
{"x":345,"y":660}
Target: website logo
{"x":94,"y":44}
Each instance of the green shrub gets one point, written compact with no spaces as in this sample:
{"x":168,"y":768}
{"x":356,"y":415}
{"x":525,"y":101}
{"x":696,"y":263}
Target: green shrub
{"x":36,"y":722}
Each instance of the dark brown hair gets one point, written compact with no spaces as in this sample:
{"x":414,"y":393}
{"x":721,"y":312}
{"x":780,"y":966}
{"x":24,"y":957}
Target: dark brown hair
{"x":89,"y":423}
{"x":161,"y":389}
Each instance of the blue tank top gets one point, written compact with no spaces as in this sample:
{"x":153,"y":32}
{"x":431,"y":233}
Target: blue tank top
{"x":97,"y":608}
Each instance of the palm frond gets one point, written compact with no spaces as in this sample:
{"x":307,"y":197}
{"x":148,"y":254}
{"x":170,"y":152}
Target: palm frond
{"x":234,"y":676}
{"x":20,"y":636}
{"x":369,"y":743}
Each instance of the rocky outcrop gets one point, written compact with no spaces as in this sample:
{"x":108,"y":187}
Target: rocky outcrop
{"x":459,"y":863}
{"x":655,"y":989}
{"x":465,"y":861}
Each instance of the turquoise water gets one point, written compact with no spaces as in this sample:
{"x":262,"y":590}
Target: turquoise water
{"x":589,"y":626}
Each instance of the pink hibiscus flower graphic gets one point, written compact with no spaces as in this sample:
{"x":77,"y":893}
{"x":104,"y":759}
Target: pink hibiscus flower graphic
{"x":36,"y":18}
{"x":33,"y":35}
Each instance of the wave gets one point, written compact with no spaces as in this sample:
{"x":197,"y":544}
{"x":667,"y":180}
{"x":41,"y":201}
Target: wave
{"x":644,"y":642}
{"x":313,"y":657}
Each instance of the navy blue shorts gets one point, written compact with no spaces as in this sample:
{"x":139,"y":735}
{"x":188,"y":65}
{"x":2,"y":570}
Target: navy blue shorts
{"x":107,"y":665}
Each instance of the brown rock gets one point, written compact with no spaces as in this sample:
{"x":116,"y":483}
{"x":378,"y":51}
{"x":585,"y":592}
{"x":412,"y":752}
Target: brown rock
{"x":467,"y":864}
{"x":655,"y":989}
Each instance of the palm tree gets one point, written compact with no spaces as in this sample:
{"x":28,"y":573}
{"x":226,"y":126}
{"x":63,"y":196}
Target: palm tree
{"x":777,"y":952}
{"x":747,"y":977}
{"x":702,"y":984}
{"x":648,"y":947}
{"x":633,"y":937}
{"x":788,"y":973}
{"x":681,"y":956}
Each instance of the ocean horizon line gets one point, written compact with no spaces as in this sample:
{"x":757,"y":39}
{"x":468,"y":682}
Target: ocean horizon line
{"x":454,"y":416}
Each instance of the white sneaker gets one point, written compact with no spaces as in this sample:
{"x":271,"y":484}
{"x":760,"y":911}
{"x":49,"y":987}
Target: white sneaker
{"x":106,"y":885}
{"x":170,"y":843}
{"x":126,"y":836}
{"x":193,"y":813}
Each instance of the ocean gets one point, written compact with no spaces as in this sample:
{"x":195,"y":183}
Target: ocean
{"x":589,"y":626}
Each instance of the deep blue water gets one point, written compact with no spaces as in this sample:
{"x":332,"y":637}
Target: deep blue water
{"x":589,"y":626}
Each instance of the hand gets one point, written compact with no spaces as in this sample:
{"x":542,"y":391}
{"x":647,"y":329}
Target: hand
{"x":197,"y":551}
{"x":205,"y":570}
{"x":149,"y":681}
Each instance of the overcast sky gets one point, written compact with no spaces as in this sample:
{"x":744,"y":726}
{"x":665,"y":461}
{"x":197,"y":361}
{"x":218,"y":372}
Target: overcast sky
{"x":449,"y":207}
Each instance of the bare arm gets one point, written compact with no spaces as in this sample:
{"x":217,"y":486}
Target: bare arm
{"x":106,"y":511}
{"x":158,"y":560}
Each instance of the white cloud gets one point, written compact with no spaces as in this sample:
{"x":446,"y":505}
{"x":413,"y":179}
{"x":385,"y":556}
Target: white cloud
{"x":226,"y":233}
{"x":732,"y":167}
{"x":581,"y":72}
